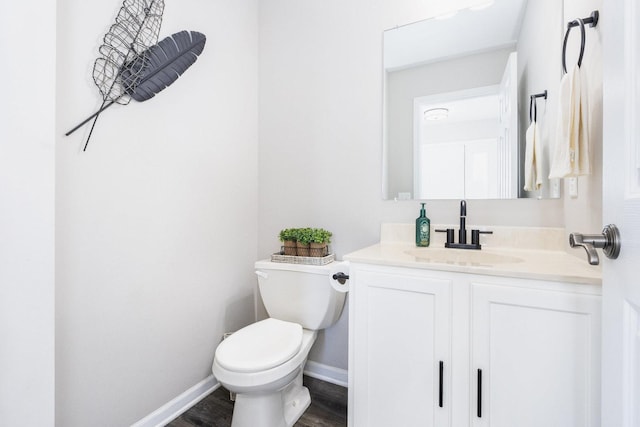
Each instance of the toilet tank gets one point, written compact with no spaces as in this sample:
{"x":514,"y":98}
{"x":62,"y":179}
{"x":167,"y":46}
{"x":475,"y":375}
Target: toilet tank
{"x":301,"y":293}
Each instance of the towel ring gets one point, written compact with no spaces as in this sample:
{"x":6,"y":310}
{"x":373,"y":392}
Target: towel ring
{"x":592,"y":20}
{"x":533,"y":110}
{"x":533,"y":105}
{"x":583,"y":36}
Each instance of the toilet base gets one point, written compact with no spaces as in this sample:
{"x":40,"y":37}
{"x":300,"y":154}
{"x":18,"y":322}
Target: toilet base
{"x":277,"y":409}
{"x":296,"y":402}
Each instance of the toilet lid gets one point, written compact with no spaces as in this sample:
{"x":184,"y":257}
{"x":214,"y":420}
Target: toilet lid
{"x":260,"y":346}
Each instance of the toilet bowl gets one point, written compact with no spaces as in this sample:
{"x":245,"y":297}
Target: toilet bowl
{"x":267,"y":380}
{"x":263,"y":362}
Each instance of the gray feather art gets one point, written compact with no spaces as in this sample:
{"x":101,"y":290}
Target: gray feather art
{"x":162,"y":65}
{"x":132,"y":64}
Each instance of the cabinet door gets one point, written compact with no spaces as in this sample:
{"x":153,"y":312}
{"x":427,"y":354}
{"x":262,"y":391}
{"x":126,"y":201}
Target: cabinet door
{"x":402,"y":336}
{"x":535,"y":358}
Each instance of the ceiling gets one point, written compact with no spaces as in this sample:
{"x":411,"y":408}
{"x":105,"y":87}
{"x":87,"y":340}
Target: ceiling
{"x":466,"y":32}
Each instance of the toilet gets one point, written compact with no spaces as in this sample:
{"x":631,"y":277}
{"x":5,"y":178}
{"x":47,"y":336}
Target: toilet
{"x":263,"y":362}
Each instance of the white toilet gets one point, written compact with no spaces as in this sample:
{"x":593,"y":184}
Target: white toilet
{"x":263,"y":362}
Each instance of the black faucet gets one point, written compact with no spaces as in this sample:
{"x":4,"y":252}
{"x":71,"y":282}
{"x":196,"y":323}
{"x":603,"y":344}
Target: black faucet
{"x":462,"y":233}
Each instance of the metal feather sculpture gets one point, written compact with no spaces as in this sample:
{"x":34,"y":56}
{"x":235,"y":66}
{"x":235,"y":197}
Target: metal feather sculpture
{"x":162,"y":64}
{"x":132,"y":65}
{"x":136,"y":29}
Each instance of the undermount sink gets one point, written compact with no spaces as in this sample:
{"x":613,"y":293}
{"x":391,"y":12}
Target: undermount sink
{"x":461,"y":256}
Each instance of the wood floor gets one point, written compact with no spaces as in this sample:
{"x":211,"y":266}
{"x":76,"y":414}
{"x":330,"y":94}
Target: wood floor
{"x":328,"y":408}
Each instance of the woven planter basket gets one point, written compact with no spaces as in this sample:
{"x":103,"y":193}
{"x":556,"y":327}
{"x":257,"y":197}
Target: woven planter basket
{"x":318,"y":249}
{"x":290,"y":247}
{"x":301,"y":249}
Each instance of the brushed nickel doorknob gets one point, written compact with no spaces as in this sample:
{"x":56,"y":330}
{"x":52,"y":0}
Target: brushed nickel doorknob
{"x":608,"y":241}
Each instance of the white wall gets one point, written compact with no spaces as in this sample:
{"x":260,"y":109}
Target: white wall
{"x":584,"y":213}
{"x":27,"y":44}
{"x":156,"y":227}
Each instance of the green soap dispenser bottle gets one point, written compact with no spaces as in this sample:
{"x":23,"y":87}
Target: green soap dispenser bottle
{"x":423,"y":228}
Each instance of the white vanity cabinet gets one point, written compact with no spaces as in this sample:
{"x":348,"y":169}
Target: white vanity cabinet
{"x":400,"y":350}
{"x":536,"y":344}
{"x":537,"y":351}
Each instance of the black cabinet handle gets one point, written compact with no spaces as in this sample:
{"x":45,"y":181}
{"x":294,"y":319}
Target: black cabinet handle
{"x":479,"y":393}
{"x":440,"y":394}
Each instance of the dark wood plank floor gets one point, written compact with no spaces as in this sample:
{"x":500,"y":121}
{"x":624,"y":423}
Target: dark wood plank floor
{"x":328,"y":408}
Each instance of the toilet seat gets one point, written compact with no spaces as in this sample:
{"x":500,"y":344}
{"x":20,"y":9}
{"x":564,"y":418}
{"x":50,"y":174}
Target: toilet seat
{"x":260,"y":346}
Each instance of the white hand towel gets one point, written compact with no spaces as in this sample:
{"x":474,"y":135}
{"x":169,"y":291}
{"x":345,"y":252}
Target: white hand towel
{"x":533,"y":159}
{"x":571,"y":154}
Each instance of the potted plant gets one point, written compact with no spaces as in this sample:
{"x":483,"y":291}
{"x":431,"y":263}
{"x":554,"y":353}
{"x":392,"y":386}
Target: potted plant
{"x":303,"y":239}
{"x":288,"y":239}
{"x":320,"y":239}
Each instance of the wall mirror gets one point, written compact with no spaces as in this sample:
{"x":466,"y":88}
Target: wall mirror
{"x":456,"y":101}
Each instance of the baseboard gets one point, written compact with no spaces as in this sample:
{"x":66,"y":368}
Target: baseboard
{"x":177,"y":406}
{"x":326,"y":373}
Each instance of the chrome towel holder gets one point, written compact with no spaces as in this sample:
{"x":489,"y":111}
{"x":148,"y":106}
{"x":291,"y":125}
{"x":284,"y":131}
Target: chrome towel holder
{"x":592,"y":20}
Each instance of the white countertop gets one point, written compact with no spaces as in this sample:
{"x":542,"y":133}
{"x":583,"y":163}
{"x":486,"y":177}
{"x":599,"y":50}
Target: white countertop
{"x":541,"y":264}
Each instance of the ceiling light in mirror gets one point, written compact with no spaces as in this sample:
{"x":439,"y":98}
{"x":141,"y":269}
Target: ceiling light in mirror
{"x":436,"y":114}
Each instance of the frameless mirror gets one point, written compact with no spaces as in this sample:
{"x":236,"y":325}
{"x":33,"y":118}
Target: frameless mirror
{"x":457,"y":94}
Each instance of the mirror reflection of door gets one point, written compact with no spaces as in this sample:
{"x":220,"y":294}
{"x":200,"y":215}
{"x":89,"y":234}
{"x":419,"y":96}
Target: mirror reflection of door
{"x":462,"y":170}
{"x":507,"y":150}
{"x":466,"y":142}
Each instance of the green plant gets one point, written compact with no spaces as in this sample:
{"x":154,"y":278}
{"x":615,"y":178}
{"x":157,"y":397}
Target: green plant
{"x":288,"y":234}
{"x":303,"y":235}
{"x":320,"y":235}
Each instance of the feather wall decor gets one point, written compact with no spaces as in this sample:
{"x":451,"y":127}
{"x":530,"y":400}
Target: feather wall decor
{"x":132,"y":64}
{"x":162,"y":64}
